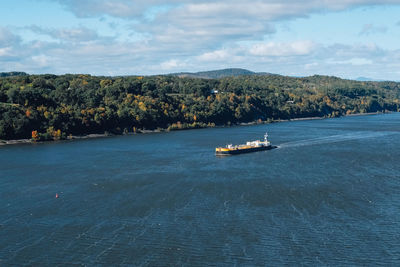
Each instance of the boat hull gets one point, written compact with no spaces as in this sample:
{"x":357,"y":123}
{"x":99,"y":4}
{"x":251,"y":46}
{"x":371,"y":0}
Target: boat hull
{"x":225,"y":152}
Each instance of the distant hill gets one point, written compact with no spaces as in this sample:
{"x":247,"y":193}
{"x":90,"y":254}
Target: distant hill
{"x":12,"y":73}
{"x":216,"y":74}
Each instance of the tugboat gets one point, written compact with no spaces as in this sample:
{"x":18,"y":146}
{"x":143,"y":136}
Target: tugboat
{"x":251,"y":146}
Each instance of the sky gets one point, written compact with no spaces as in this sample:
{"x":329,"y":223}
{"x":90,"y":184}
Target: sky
{"x":344,"y":38}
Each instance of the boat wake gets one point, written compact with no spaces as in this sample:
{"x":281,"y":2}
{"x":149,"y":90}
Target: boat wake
{"x":335,"y":139}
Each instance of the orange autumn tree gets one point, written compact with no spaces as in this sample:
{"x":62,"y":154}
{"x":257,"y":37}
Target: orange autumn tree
{"x":35,"y":135}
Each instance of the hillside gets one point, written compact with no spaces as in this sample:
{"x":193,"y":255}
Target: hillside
{"x":47,"y":107}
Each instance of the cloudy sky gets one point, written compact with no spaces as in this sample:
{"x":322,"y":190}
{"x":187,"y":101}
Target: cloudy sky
{"x":345,"y":38}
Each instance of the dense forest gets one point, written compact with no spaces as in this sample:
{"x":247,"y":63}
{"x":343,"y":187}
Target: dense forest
{"x":46,"y":107}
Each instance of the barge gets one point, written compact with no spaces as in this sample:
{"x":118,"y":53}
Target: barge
{"x":251,"y":146}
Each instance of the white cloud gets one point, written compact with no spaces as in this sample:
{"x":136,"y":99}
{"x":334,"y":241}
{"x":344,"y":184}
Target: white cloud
{"x":297,"y":48}
{"x":215,"y":55}
{"x":115,"y":8}
{"x":81,"y":34}
{"x":205,"y":24}
{"x":301,"y":59}
{"x":186,"y":28}
{"x":172,"y":65}
{"x":41,"y":60}
{"x":270,"y":9}
{"x":6,"y":51}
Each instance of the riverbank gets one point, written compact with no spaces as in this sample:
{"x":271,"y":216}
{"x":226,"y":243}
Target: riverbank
{"x":30,"y":141}
{"x":76,"y":137}
{"x":73,"y":137}
{"x":313,"y":118}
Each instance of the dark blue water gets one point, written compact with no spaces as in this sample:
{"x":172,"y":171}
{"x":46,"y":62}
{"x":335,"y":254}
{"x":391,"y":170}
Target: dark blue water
{"x":330,"y":195}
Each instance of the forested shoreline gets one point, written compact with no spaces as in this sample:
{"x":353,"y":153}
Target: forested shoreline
{"x":54,"y":107}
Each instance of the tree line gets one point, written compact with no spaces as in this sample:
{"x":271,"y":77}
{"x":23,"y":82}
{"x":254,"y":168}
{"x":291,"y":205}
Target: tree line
{"x":46,"y":107}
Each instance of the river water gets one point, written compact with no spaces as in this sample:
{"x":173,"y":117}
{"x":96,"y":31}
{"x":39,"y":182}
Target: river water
{"x":329,"y":195}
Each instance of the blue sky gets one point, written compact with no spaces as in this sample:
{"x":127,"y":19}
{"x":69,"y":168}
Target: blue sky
{"x":345,"y":38}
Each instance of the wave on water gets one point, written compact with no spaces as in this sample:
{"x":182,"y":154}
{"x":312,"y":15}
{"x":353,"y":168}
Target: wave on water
{"x":336,"y":138}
